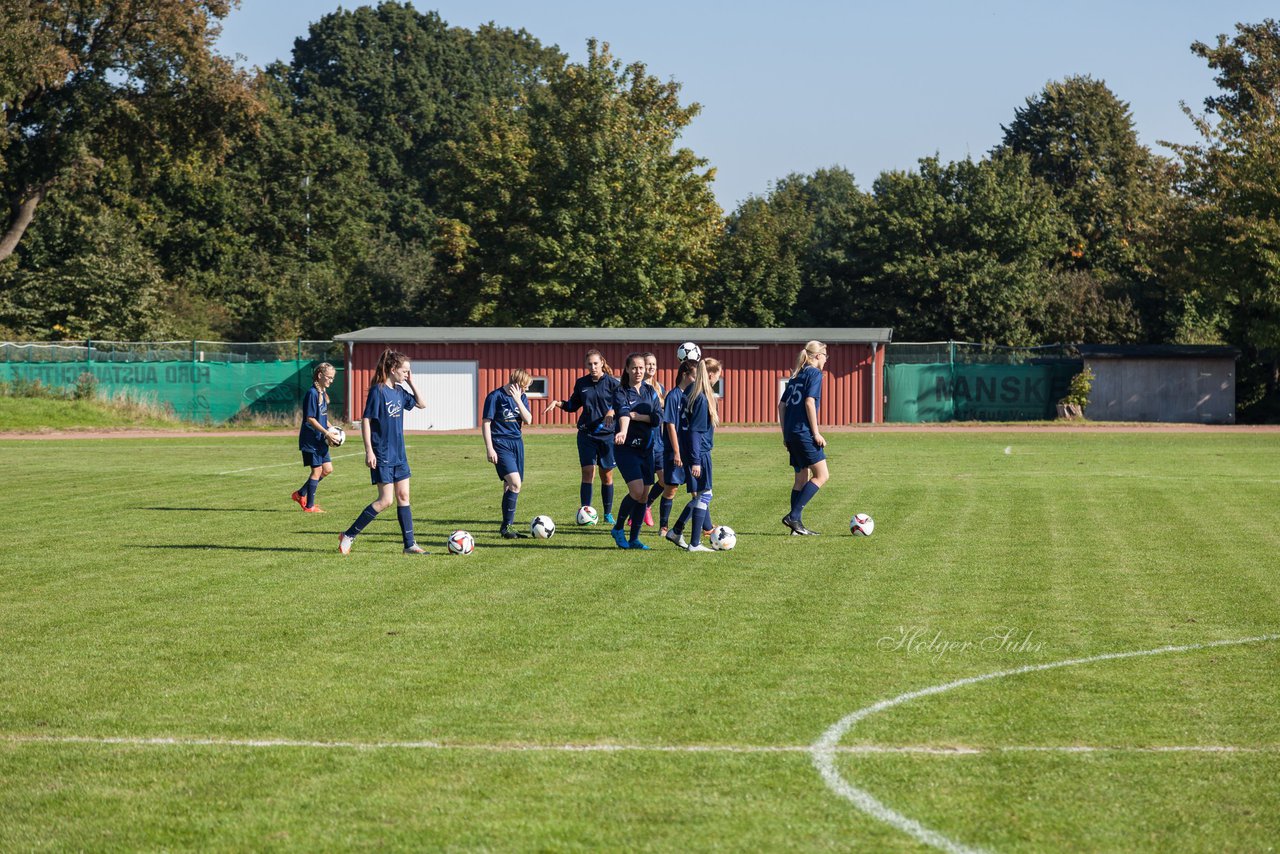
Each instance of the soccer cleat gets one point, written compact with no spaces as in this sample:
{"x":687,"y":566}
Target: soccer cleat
{"x":797,"y":527}
{"x":300,"y":498}
{"x":638,"y":545}
{"x":699,"y":548}
{"x":648,"y":516}
{"x":415,"y":549}
{"x":608,"y":519}
{"x":509,"y":533}
{"x":345,"y":543}
{"x":620,"y":538}
{"x":313,"y":509}
{"x":676,"y":539}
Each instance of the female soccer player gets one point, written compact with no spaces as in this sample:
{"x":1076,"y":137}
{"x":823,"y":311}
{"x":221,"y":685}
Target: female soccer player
{"x":639,"y":413}
{"x":506,"y":411}
{"x":315,"y":436}
{"x":673,"y":472}
{"x":382,"y":429}
{"x":659,"y":485}
{"x":798,"y":417}
{"x":697,"y":437}
{"x":593,"y":394}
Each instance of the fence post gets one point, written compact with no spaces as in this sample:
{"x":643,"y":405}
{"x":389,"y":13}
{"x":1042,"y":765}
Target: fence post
{"x":193,"y":349}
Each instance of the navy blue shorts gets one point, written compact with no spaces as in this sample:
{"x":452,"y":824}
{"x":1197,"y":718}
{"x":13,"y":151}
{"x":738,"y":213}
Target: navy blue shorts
{"x":313,"y":459}
{"x":672,"y":475}
{"x":510,"y":457}
{"x":803,"y":452}
{"x":659,"y":464}
{"x":596,"y":450}
{"x":635,"y":464}
{"x":389,"y":474}
{"x":701,"y":483}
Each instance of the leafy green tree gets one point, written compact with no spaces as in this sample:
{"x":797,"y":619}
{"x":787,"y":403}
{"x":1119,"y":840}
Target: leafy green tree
{"x":572,"y":206}
{"x":762,"y":259}
{"x":403,"y":84}
{"x":962,"y":250}
{"x":1232,"y":181}
{"x":88,"y":83}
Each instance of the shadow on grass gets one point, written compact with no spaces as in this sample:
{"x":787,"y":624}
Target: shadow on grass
{"x":199,"y":547}
{"x":217,"y":509}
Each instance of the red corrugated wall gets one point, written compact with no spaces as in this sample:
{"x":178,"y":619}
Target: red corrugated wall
{"x":751,"y":375}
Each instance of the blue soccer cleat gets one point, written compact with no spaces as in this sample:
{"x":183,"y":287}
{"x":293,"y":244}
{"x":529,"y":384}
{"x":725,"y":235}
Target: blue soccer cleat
{"x":620,"y":538}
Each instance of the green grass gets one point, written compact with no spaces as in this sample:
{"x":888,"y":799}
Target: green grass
{"x":42,"y":414}
{"x":169,"y":588}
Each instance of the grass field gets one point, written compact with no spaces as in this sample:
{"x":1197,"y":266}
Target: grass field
{"x":187,"y":663}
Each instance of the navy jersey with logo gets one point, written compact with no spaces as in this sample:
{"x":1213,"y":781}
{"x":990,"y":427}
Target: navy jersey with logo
{"x":500,"y":408}
{"x":641,"y":400}
{"x":595,"y":399}
{"x":807,"y":383}
{"x":384,"y":409}
{"x":314,"y":405}
{"x":696,"y":433}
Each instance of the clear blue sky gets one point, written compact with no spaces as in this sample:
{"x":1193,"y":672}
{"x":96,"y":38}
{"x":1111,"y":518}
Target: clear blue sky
{"x":872,"y":86}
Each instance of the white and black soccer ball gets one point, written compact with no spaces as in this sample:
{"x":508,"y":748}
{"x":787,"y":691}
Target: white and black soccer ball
{"x":461,"y":543}
{"x":587,"y":515}
{"x":688,"y":352}
{"x":542,"y":527}
{"x":337,"y":435}
{"x":723,"y":538}
{"x":861,"y":525}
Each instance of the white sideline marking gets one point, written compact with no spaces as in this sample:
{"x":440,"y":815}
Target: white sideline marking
{"x":282,"y":465}
{"x":825,"y":749}
{"x":860,"y":749}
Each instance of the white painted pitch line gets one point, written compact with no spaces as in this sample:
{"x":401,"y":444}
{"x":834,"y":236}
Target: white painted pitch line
{"x":825,"y":749}
{"x":294,"y":464}
{"x":857,"y":749}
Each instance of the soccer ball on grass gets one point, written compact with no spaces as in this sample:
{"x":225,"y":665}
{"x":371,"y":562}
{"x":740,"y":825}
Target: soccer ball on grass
{"x":461,"y":543}
{"x":861,"y":525}
{"x":723,"y":538}
{"x":587,"y":515}
{"x":542,"y":527}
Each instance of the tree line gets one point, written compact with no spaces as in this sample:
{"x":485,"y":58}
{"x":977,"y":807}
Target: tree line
{"x":402,"y":171}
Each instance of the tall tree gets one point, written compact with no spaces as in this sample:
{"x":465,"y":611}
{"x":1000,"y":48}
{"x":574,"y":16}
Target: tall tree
{"x":573,"y":206}
{"x":85,"y":82}
{"x":402,"y":84}
{"x":1232,"y":180}
{"x":962,"y":250}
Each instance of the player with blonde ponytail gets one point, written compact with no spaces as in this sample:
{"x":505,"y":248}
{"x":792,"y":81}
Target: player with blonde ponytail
{"x":315,"y":436}
{"x":798,"y":418}
{"x":696,"y":435}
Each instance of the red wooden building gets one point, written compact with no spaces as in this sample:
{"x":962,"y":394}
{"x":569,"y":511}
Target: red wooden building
{"x":456,"y":367}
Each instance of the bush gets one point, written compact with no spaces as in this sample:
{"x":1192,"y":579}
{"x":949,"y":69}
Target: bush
{"x":1078,"y":391}
{"x":86,"y":387}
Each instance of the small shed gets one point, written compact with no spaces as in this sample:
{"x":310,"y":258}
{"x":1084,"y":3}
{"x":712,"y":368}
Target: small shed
{"x":459,"y":366}
{"x":1162,"y":382}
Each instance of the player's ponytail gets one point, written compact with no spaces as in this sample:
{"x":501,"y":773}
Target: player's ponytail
{"x":388,"y":362}
{"x":702,"y":388}
{"x":811,"y":351}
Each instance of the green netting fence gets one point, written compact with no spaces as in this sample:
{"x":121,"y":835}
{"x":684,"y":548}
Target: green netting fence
{"x":960,"y":381}
{"x":202,"y":381}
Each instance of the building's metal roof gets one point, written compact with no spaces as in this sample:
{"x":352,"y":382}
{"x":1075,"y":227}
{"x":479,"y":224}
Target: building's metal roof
{"x":578,"y":335}
{"x":1157,"y":351}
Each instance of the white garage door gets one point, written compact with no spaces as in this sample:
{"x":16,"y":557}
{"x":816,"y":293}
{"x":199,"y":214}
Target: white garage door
{"x":449,"y":389}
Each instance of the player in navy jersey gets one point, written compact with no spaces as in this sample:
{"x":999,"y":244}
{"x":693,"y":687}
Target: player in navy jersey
{"x":673,"y":473}
{"x":506,"y":411}
{"x":593,"y":395}
{"x":315,"y":436}
{"x":659,"y":445}
{"x":382,"y":428}
{"x":639,"y":415}
{"x":699,"y":417}
{"x":798,"y":417}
